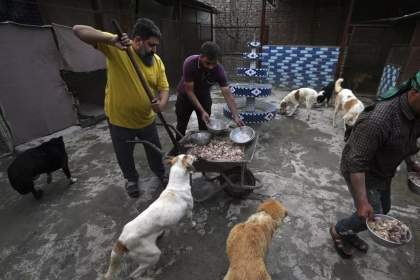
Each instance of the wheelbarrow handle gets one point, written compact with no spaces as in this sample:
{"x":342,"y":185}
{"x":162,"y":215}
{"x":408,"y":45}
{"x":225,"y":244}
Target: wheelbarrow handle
{"x":147,"y":143}
{"x":173,"y":129}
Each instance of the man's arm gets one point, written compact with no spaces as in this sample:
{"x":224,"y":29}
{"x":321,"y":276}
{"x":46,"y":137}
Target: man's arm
{"x":189,"y":89}
{"x":159,"y":103}
{"x":364,"y":142}
{"x":93,"y":36}
{"x":232,"y":105}
{"x":162,"y":97}
{"x":364,"y":209}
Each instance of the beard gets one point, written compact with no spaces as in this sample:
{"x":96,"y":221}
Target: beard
{"x":202,"y":66}
{"x":146,"y":57}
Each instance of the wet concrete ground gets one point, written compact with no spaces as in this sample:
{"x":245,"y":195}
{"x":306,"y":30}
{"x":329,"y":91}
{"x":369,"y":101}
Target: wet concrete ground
{"x":70,"y":232}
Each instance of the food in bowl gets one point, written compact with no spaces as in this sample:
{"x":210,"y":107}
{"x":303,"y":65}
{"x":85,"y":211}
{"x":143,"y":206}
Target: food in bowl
{"x":390,"y":229}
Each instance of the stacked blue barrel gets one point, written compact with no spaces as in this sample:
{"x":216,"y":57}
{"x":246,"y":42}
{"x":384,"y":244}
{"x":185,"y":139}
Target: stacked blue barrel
{"x":252,"y":111}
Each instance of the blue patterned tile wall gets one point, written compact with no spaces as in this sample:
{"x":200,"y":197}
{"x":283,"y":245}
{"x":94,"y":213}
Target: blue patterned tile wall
{"x":389,"y":78}
{"x":299,"y":66}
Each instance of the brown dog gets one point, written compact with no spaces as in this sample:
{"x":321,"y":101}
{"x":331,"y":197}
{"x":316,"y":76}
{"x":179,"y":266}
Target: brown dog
{"x":248,"y":242}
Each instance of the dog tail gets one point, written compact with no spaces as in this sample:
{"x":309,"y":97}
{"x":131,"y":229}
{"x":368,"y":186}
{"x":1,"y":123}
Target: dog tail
{"x":337,"y":86}
{"x":115,"y":262}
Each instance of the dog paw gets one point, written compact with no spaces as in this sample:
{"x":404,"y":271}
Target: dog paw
{"x":72,"y":181}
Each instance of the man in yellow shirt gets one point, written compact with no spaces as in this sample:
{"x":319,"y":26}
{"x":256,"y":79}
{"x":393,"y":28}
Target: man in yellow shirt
{"x":128,"y":109}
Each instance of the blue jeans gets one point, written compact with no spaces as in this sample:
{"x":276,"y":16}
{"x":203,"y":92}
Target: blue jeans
{"x":381,"y":204}
{"x":124,"y":150}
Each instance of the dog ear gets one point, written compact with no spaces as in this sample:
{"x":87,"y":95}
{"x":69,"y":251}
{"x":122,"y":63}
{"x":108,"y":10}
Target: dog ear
{"x":184,"y":162}
{"x":297,"y":95}
{"x":169,"y":160}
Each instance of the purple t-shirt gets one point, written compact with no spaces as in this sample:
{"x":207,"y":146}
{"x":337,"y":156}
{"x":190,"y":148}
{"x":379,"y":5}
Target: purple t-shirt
{"x":203,"y":80}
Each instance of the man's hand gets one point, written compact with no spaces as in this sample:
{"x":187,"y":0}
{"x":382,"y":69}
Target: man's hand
{"x":238,"y":121}
{"x":205,"y":117}
{"x":121,"y":43}
{"x":364,"y":210}
{"x":156,"y":105}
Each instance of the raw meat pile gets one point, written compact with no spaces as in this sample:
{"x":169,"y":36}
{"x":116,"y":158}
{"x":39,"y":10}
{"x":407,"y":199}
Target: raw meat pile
{"x":391,"y":230}
{"x":218,"y":149}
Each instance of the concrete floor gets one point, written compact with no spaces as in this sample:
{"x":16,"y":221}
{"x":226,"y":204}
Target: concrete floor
{"x":69,"y":234}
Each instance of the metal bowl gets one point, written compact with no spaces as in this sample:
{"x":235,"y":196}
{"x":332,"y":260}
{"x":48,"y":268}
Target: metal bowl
{"x":200,"y":138}
{"x":217,"y":126}
{"x":414,"y":182}
{"x":383,"y":241}
{"x":242,"y":135}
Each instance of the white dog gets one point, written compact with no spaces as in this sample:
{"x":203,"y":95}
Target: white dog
{"x":138,"y":237}
{"x":307,"y":96}
{"x":348,"y":104}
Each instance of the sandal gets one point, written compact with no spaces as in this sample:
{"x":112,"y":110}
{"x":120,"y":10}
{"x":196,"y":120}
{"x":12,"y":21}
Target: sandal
{"x":343,"y":248}
{"x":132,"y":189}
{"x":358,"y":243}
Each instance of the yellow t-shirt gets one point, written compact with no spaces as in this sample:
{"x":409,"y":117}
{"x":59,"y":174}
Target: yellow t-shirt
{"x":126,"y":102}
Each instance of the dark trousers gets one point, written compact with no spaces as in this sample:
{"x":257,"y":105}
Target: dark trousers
{"x":184,"y":108}
{"x":380,"y":199}
{"x":124,"y":150}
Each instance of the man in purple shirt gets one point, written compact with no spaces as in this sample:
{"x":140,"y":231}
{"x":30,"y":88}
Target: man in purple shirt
{"x":199,"y":73}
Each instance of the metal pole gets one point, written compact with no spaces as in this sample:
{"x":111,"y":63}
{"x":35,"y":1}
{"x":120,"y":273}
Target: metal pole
{"x":262,"y":28}
{"x":343,"y":45}
{"x":212,"y":27}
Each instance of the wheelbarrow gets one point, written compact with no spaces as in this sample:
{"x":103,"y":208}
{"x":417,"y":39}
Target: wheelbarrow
{"x":234,"y":177}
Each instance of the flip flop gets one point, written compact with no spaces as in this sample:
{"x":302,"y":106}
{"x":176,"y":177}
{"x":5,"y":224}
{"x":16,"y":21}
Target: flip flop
{"x":343,"y":248}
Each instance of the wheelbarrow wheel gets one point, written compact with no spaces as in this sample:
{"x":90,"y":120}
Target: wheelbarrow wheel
{"x":234,"y":176}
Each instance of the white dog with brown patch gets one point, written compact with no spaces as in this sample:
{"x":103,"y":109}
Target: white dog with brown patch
{"x":346,"y":103}
{"x":139,"y":236}
{"x":306,"y":96}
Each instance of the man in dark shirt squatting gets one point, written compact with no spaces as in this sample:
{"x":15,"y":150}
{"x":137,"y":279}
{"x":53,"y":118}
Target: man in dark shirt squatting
{"x":384,"y":135}
{"x":199,"y":73}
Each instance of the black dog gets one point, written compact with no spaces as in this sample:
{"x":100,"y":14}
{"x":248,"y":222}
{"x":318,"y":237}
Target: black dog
{"x":327,"y":92}
{"x":45,"y":158}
